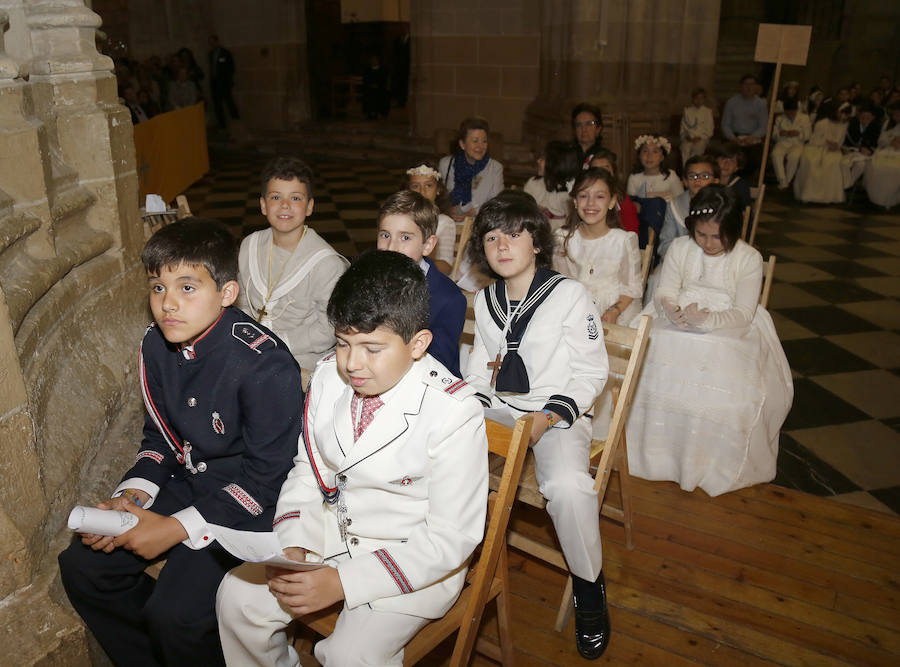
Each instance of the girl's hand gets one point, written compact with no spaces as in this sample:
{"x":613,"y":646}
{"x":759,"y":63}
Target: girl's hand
{"x":673,"y":312}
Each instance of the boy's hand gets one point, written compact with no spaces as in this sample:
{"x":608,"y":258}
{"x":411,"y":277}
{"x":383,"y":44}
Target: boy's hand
{"x":105,"y":542}
{"x":153,"y":535}
{"x":305,"y":592}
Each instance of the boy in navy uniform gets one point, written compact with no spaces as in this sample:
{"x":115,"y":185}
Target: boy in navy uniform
{"x":389,"y":487}
{"x":223,"y":399}
{"x":407,"y":223}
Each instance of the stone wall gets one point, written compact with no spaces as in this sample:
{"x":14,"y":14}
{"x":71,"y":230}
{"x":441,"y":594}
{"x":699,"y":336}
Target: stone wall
{"x":71,"y":306}
{"x":474,"y":58}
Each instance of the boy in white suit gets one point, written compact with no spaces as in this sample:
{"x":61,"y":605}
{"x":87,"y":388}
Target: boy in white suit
{"x":389,"y":486}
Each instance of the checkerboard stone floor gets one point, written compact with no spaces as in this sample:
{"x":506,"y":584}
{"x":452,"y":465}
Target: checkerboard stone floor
{"x":835,"y":302}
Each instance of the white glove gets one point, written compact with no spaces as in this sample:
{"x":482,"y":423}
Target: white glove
{"x":694,"y":316}
{"x":673,"y":312}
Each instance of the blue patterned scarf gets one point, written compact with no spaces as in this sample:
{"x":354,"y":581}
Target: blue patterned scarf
{"x":463,"y":173}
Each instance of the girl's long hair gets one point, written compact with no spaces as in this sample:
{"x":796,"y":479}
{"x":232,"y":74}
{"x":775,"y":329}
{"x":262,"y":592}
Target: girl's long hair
{"x":585,"y":180}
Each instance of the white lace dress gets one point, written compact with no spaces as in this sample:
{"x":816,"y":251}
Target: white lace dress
{"x":609,"y":267}
{"x":882,"y":175}
{"x":819,"y":176}
{"x":710,"y":404}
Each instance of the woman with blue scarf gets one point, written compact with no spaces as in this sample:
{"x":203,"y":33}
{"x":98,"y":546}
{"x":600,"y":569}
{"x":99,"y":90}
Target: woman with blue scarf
{"x":470,"y":174}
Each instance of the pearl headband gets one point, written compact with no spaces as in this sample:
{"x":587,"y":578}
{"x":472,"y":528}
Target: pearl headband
{"x":423,"y":170}
{"x":703,"y":211}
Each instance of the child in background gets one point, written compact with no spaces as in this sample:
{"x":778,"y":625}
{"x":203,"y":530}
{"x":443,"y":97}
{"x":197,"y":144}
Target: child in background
{"x":389,"y":487}
{"x":287,"y":271}
{"x":790,"y":132}
{"x":406,"y":224}
{"x":628,"y":215}
{"x":425,"y":179}
{"x":696,"y":126}
{"x":539,"y":349}
{"x":471,"y":175}
{"x":731,"y":161}
{"x":699,"y":171}
{"x":593,"y":248}
{"x":556,"y":173}
{"x":652,"y":184}
{"x":223,"y":399}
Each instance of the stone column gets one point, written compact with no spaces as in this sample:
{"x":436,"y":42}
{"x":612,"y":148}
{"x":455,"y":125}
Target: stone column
{"x":637,"y":60}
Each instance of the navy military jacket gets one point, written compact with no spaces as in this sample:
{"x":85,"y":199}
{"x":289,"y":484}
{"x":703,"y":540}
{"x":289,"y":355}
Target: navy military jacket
{"x":223,"y":417}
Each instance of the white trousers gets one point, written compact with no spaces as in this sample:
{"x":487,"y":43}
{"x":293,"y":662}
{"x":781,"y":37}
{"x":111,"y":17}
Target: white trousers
{"x":252,"y":627}
{"x":561,"y":464}
{"x":853,"y":165}
{"x":691,"y":148}
{"x":785,"y":160}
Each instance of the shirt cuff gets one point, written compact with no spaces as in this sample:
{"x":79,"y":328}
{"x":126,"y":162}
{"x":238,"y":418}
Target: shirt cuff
{"x":199,"y":534}
{"x":140,"y":484}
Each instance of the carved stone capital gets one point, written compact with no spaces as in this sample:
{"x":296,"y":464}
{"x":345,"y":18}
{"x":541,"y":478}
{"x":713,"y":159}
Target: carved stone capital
{"x":62,"y":38}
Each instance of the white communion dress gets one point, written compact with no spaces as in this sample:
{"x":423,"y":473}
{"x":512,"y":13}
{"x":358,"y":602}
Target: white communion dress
{"x":710,"y":401}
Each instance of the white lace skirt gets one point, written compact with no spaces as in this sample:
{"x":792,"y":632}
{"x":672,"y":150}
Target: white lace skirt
{"x":709,"y":407}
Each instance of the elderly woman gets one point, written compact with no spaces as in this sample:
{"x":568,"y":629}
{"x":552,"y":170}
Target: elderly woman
{"x":716,"y":386}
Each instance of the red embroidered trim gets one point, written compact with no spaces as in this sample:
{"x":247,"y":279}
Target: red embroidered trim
{"x":244,"y":498}
{"x":294,"y":514}
{"x":259,"y":341}
{"x":456,"y":386}
{"x":394,"y":570}
{"x":148,"y":454}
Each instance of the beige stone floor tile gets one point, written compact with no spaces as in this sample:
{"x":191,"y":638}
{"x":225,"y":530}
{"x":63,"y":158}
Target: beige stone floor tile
{"x":787,"y":296}
{"x":822,"y":225}
{"x":788,"y":329}
{"x":885,"y":313}
{"x":889,"y":265}
{"x":886,"y":246}
{"x":804,"y":253}
{"x":866,"y":452}
{"x":875,"y":392}
{"x":881,"y":348}
{"x":831,"y":212}
{"x":864,"y":500}
{"x":893,"y":232}
{"x":888,"y":285}
{"x":815,"y":238}
{"x":797,"y":272}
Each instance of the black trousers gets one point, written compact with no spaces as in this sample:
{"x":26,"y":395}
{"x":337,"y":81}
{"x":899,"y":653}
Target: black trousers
{"x":139,"y":621}
{"x":221,"y":92}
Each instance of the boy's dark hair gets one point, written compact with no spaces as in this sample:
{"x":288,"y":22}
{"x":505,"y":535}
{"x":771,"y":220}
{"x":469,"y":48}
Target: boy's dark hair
{"x":703,"y":159}
{"x":409,"y":203}
{"x":592,"y":109}
{"x":510,"y":211}
{"x":286,"y":168}
{"x":381,"y":288}
{"x":750,"y":76}
{"x":195,"y":242}
{"x":561,"y":165}
{"x":735,"y":152}
{"x":609,"y":155}
{"x":717,"y":203}
{"x":790,"y":104}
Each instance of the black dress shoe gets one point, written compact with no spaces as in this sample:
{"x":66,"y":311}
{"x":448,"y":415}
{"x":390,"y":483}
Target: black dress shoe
{"x":591,"y":617}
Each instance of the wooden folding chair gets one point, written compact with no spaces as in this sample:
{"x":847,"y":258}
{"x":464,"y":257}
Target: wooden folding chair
{"x":647,"y":256}
{"x":154,"y":221}
{"x":463,"y":232}
{"x":468,"y":332}
{"x":488,"y":578}
{"x":746,"y":221}
{"x":768,"y":276}
{"x":757,"y":207}
{"x":626,"y":349}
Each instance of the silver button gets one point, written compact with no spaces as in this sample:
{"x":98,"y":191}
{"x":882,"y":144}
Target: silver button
{"x":201,"y":467}
{"x":349,"y":522}
{"x":354,"y":541}
{"x":192,"y":402}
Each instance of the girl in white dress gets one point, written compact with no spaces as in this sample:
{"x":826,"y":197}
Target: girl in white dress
{"x":593,"y":248}
{"x":819,"y":177}
{"x":882,"y":176}
{"x":696,"y":126}
{"x":652,"y":184}
{"x":716,"y":386}
{"x":425,"y":179}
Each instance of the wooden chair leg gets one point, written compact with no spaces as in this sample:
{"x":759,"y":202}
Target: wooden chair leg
{"x":625,"y":491}
{"x":507,"y":650}
{"x":566,"y":607}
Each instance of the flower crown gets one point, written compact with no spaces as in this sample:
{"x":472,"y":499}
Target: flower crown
{"x":423,"y":170}
{"x":702,"y":211}
{"x":662,"y":142}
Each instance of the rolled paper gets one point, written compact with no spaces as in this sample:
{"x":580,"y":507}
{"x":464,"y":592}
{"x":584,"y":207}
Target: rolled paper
{"x":101,"y":522}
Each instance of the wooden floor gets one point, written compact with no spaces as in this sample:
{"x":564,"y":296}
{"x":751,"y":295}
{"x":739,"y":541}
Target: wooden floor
{"x":763,"y":576}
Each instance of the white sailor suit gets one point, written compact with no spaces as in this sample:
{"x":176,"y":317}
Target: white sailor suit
{"x":563,"y":357}
{"x":409,"y":500}
{"x":222,"y":426}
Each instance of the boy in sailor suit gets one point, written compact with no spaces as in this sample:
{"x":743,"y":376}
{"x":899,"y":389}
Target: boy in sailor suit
{"x":539,"y":348}
{"x":222,"y":425}
{"x":389,"y":486}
